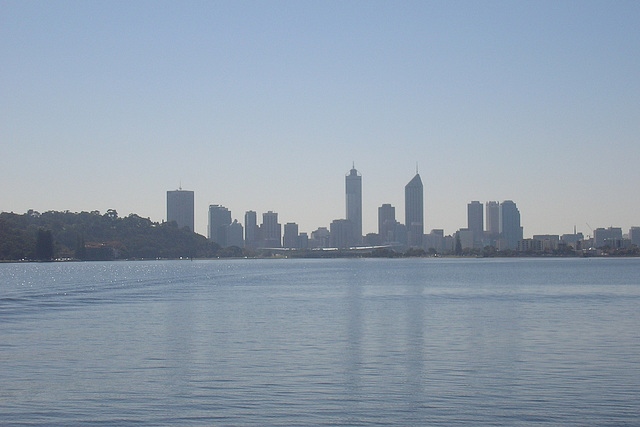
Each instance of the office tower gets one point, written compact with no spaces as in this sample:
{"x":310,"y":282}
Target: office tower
{"x":341,"y":233}
{"x":250,"y":229}
{"x":493,"y":219}
{"x":475,"y":222}
{"x":234,"y":234}
{"x":320,"y":238}
{"x":271,"y":231}
{"x":219,"y":220}
{"x":387,"y":222}
{"x":353,"y":184}
{"x":611,"y":237}
{"x":180,"y":208}
{"x":303,"y":241}
{"x":510,"y":228}
{"x":290,"y":237}
{"x":414,"y":211}
{"x":634,"y":235}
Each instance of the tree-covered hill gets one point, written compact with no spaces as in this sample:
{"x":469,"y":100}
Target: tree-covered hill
{"x":96,"y":236}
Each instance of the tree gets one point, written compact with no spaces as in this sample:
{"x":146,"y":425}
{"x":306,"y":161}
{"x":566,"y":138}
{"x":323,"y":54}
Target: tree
{"x":44,"y":245}
{"x":81,"y":250}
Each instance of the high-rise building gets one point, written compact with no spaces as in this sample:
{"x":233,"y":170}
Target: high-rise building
{"x":180,"y":208}
{"x":353,"y":184}
{"x":493,"y":219}
{"x":634,"y":235}
{"x":510,"y":228}
{"x":387,"y":223}
{"x":250,"y":229}
{"x":414,"y":211}
{"x":341,"y":233}
{"x":611,"y":237}
{"x":290,"y":238}
{"x":475,"y":222}
{"x":234,"y":234}
{"x":219,"y":220}
{"x":270,"y":231}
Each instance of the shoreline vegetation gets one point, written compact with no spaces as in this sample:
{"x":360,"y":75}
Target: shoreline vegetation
{"x":92,"y":236}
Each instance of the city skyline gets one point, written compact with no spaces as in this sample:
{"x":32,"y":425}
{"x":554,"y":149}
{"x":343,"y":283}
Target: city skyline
{"x":502,"y":227}
{"x":260,"y":106}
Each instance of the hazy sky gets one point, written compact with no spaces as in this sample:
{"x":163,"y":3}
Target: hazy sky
{"x":264,"y":105}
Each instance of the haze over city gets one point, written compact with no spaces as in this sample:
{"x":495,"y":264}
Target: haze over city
{"x":265,"y":106}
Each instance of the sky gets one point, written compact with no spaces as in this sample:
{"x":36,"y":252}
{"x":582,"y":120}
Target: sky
{"x":265,"y":105}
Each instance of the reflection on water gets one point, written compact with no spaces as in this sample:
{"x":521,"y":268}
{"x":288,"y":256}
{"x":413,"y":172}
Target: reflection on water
{"x":348,"y":342}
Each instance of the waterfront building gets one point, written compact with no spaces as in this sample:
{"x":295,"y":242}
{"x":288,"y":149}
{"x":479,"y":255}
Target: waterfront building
{"x":493,"y":219}
{"x":290,"y":238}
{"x":434,"y":241}
{"x":219,"y":220}
{"x":180,"y":208}
{"x":466,"y":237}
{"x":250,"y":229}
{"x":548,"y":242}
{"x":270,"y":231}
{"x":634,"y":235}
{"x":414,"y":211}
{"x":572,"y":239}
{"x":611,"y":237}
{"x":303,"y":239}
{"x":510,"y":228}
{"x":353,"y":186}
{"x":387,"y":223}
{"x":234,"y":234}
{"x":341,"y":233}
{"x":372,"y":239}
{"x":320,"y":238}
{"x":475,"y":222}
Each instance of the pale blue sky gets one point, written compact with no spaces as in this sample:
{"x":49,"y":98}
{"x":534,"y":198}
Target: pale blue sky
{"x":264,"y":106}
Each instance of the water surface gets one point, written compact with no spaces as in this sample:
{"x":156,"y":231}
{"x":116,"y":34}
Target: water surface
{"x":321,"y":342}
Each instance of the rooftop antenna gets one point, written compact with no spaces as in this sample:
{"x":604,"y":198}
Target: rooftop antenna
{"x":180,"y":187}
{"x":416,"y":168}
{"x":353,"y":165}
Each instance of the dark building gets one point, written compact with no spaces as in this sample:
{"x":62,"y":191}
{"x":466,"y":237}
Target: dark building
{"x":414,"y":211}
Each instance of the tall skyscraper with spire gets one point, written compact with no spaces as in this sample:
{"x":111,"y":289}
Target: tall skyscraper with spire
{"x":353,"y":184}
{"x":414,"y":210}
{"x":180,"y":208}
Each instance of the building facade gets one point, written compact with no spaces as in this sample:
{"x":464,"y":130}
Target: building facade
{"x":290,"y":239}
{"x":250,"y":229}
{"x":510,"y":228}
{"x":341,"y":233}
{"x":493,"y":219}
{"x":180,"y":208}
{"x":219,"y":221}
{"x":414,"y":211}
{"x":353,"y":187}
{"x":270,"y":231}
{"x":387,"y":223}
{"x":475,"y":222}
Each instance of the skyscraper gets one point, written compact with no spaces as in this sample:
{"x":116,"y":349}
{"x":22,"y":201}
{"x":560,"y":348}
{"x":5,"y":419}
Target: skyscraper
{"x":271,"y":230}
{"x":180,"y":208}
{"x":387,"y":223}
{"x":475,"y":222}
{"x":414,"y":211}
{"x":493,"y":219}
{"x":510,"y":228}
{"x":353,"y":184}
{"x":290,"y":238}
{"x":250,"y":229}
{"x":219,"y":220}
